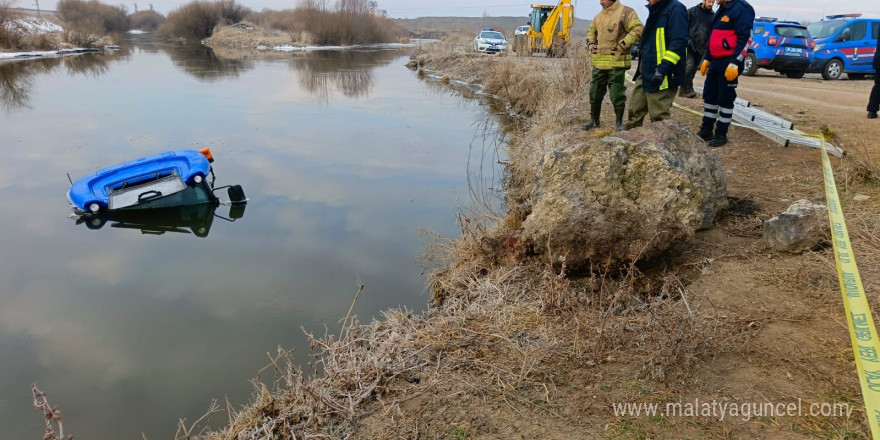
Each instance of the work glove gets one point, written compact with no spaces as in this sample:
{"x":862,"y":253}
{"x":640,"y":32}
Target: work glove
{"x":704,"y":67}
{"x":592,"y":47}
{"x":657,"y":78}
{"x":732,"y":72}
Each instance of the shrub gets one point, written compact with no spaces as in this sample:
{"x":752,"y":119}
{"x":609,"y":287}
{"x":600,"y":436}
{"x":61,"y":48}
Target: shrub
{"x":196,"y":20}
{"x":349,"y":24}
{"x":10,"y":37}
{"x":285,"y":20}
{"x":192,"y":21}
{"x":93,"y":16}
{"x":232,"y":12}
{"x":84,"y":38}
{"x":146,"y":20}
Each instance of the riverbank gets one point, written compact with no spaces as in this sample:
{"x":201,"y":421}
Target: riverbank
{"x":517,"y":345}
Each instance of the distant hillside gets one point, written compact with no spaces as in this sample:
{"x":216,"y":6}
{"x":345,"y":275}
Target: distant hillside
{"x":436,"y":27}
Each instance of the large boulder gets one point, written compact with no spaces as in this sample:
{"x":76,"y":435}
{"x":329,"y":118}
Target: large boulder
{"x":802,"y":227}
{"x":628,"y":196}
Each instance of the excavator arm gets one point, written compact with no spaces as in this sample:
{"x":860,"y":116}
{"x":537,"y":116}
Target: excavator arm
{"x":558,"y":23}
{"x":550,"y":27}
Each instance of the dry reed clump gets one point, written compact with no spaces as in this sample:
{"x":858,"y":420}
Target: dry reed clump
{"x":93,"y":16}
{"x":353,"y":368}
{"x":246,"y":35}
{"x":10,"y":37}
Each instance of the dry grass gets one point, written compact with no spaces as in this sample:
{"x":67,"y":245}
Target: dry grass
{"x":246,"y":35}
{"x":360,"y":364}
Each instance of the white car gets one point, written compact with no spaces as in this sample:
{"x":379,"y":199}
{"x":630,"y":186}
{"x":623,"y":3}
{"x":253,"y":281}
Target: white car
{"x":490,"y":41}
{"x":521,"y":30}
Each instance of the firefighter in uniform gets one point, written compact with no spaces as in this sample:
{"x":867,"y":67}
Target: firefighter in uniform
{"x":722,"y":64}
{"x":661,"y":66}
{"x":610,"y":37}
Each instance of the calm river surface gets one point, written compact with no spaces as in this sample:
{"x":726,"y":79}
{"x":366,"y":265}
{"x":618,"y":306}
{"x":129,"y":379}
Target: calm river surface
{"x":345,"y":157}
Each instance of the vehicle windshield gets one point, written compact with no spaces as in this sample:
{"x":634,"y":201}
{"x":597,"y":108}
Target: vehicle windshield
{"x":492,"y":35}
{"x":823,"y":29}
{"x":792,"y":31}
{"x":522,"y":28}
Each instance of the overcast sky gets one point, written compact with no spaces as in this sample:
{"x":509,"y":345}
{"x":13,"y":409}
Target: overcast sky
{"x":797,"y":10}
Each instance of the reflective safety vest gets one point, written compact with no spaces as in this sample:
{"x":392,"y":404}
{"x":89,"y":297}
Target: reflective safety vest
{"x":664,"y":45}
{"x":614,"y":25}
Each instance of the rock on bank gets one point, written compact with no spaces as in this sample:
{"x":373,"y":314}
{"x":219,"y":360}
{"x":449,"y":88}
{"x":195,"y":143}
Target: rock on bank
{"x":625,"y":197}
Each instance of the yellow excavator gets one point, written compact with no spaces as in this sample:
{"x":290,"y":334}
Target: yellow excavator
{"x":549,"y":29}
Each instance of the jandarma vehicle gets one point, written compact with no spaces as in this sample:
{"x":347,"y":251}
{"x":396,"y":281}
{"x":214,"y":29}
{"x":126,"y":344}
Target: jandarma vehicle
{"x":844,"y":44}
{"x":490,"y":41}
{"x":783,"y":46}
{"x":172,"y":179}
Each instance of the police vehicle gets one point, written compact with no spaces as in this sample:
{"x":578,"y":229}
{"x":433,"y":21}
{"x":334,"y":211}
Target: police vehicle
{"x":844,"y":44}
{"x":490,"y":41}
{"x":783,"y":46}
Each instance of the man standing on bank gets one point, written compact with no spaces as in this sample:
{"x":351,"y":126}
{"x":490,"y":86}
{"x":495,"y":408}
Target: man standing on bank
{"x":700,"y":23}
{"x":661,"y":66}
{"x":611,"y":35}
{"x":874,"y":99}
{"x":722,"y":64}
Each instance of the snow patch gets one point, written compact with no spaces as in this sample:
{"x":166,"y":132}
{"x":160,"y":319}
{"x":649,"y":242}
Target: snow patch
{"x":34,"y":25}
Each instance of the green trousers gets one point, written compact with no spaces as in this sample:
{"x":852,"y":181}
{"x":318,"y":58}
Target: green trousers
{"x":611,"y":79}
{"x":655,"y":104}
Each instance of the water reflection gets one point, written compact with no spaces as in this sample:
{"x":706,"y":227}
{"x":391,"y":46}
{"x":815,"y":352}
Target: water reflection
{"x":204,"y":64}
{"x":196,"y":219}
{"x":321,"y":72}
{"x":17,"y":77}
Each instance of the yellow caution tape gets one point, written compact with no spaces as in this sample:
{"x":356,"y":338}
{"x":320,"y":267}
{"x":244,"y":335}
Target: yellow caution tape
{"x":862,"y":332}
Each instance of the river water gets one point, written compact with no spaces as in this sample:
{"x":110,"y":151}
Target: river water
{"x":345,"y":156}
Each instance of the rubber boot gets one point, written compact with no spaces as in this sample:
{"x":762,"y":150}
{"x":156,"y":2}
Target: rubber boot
{"x":618,"y":124}
{"x":872,"y":115}
{"x":595,"y":111}
{"x":705,"y":134}
{"x":718,"y":140}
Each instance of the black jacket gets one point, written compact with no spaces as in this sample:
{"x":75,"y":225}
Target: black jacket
{"x":699,"y":25}
{"x":877,"y":57}
{"x":663,"y":46}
